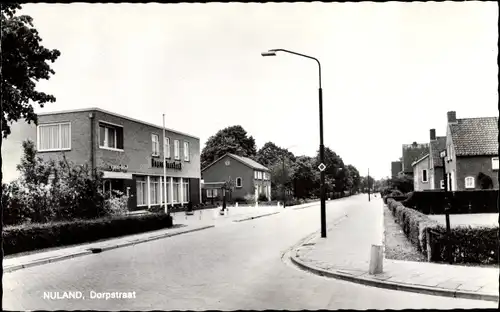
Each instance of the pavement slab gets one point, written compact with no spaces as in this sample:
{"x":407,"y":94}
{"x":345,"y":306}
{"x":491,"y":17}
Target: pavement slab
{"x":347,"y":249}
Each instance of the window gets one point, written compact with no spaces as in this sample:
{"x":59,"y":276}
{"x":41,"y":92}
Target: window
{"x":211,"y":193}
{"x":239,"y":182}
{"x":424,"y":175}
{"x":163,"y":191}
{"x":185,"y":190}
{"x":156,"y":144}
{"x":469,"y":182}
{"x":167,"y":147}
{"x":52,"y":137}
{"x":186,"y":151}
{"x":154,"y":190}
{"x":142,"y":193}
{"x":110,"y":136}
{"x":255,"y":175}
{"x":494,"y":163}
{"x":176,"y":149}
{"x":259,"y":175}
{"x":441,"y":183}
{"x":175,"y":195}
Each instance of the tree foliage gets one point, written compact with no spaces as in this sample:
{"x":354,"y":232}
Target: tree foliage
{"x":270,"y":154}
{"x":234,"y":140}
{"x":24,"y":62}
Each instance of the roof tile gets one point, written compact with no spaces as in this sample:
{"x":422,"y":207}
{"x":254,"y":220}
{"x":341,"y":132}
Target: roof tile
{"x":475,"y":136}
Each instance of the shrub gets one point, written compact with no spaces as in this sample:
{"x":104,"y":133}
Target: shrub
{"x":413,"y":223}
{"x":468,"y":245}
{"x":250,"y":199}
{"x":29,"y":237}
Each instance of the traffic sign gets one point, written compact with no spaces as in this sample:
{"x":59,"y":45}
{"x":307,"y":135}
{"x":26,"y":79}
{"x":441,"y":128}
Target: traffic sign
{"x":322,"y":167}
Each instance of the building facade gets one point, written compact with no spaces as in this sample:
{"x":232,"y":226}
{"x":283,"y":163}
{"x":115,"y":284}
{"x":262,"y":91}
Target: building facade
{"x":421,"y":178}
{"x":129,"y":152}
{"x":471,"y":150}
{"x":249,"y":177}
{"x":436,"y":166}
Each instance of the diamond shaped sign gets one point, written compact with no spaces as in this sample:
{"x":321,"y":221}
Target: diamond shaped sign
{"x":322,"y":167}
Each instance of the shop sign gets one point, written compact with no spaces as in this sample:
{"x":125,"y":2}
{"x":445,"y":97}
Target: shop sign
{"x":170,"y":165}
{"x":115,"y":168}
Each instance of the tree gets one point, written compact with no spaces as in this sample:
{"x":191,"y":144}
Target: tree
{"x":335,"y":176}
{"x":270,"y":154}
{"x":24,"y":62}
{"x":233,"y":140}
{"x":403,"y":183}
{"x":304,"y":178}
{"x":353,"y":179}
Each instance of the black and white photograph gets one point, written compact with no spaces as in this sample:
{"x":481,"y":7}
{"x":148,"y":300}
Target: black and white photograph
{"x":250,"y":156}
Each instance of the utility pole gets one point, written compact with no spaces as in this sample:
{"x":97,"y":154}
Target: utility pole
{"x":369,"y":184}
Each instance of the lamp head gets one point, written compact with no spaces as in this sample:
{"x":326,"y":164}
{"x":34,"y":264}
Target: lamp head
{"x":268,"y":53}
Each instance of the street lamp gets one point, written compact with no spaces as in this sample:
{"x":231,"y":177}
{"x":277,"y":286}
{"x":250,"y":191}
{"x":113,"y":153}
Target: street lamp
{"x":322,"y":166}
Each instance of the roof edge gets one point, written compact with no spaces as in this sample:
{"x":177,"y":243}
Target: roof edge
{"x":80,"y":110}
{"x":419,"y":160}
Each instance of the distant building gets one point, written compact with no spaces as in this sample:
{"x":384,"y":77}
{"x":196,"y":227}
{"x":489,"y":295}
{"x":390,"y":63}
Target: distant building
{"x":472,"y":148}
{"x":396,"y":168}
{"x":250,"y":177}
{"x":411,"y":153}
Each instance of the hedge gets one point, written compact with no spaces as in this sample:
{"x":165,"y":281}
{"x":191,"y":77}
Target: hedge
{"x":469,"y":245}
{"x":30,"y":237}
{"x":475,"y":201}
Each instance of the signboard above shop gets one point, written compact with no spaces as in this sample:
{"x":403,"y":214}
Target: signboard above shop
{"x":115,"y":168}
{"x":169,"y":165}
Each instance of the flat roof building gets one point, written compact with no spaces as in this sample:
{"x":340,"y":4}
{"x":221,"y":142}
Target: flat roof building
{"x":129,"y":152}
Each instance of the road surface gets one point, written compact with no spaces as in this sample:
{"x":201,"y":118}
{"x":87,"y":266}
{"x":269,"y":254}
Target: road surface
{"x":234,"y":266}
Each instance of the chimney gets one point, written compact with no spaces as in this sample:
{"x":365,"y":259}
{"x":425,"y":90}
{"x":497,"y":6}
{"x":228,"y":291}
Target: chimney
{"x":452,"y":117}
{"x":433,"y":134}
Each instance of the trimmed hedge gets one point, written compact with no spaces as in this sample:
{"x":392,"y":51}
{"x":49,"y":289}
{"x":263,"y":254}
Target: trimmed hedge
{"x":433,"y":202}
{"x":413,"y":223}
{"x":30,"y":237}
{"x":469,"y":245}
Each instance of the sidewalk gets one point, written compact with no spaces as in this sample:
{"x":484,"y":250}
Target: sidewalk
{"x":345,"y":254}
{"x":209,"y":219}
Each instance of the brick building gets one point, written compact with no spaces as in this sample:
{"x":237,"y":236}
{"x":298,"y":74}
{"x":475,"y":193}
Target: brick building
{"x":250,"y":178}
{"x":471,"y":148}
{"x":128,"y":151}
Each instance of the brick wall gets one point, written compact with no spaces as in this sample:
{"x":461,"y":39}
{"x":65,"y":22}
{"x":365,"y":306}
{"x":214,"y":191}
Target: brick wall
{"x":471,"y":166}
{"x":219,"y":172}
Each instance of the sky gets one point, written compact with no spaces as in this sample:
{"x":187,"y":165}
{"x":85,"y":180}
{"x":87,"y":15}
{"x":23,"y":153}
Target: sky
{"x":390,"y":71}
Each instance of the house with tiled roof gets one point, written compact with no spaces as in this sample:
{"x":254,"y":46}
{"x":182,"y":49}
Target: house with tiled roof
{"x":436,"y":165}
{"x":471,"y":151}
{"x":248,"y":176}
{"x":412,"y":153}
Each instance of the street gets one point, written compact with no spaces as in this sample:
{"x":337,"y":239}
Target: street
{"x":234,"y":266}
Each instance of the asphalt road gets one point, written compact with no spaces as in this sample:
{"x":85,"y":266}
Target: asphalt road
{"x":230,"y":267}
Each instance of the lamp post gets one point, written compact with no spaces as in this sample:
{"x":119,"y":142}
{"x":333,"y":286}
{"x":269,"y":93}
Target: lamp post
{"x":322,"y":166}
{"x":447,"y":187}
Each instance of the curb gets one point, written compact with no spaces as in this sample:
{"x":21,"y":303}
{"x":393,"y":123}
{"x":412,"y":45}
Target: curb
{"x":97,"y":250}
{"x":303,"y":207}
{"x":392,"y":285}
{"x":251,"y":218}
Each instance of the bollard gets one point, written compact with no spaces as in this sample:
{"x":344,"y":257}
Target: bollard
{"x":236,"y":204}
{"x":256,"y":204}
{"x":376,"y":259}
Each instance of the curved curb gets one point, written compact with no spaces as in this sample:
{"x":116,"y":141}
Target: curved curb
{"x":92,"y":250}
{"x":252,"y":218}
{"x":392,"y":285}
